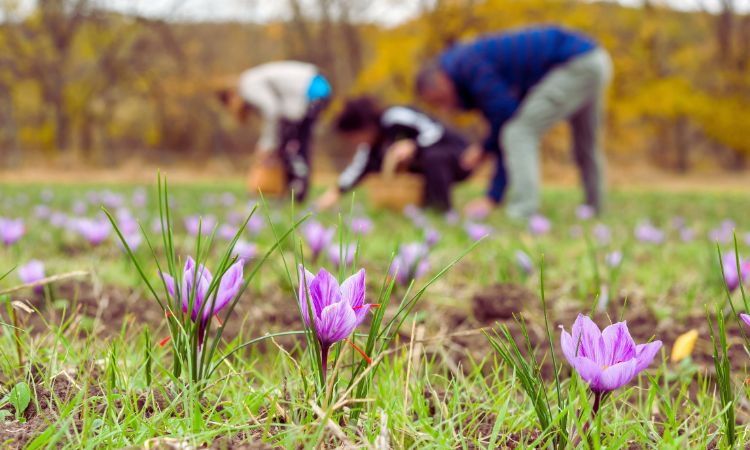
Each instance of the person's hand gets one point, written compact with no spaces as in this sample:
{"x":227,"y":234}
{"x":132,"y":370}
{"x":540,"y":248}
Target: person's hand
{"x":479,"y":208}
{"x":328,"y":200}
{"x":397,"y":154}
{"x":471,"y":157}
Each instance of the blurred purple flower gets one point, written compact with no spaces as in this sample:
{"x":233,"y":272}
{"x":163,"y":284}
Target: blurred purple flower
{"x":95,"y":231}
{"x":126,"y":222}
{"x":431,"y":237}
{"x":206,"y":225}
{"x":31,"y":272}
{"x":361,"y":225}
{"x":317,"y":237}
{"x":256,"y":224}
{"x":602,"y":234}
{"x":11,"y":230}
{"x":648,"y":233}
{"x":228,"y":199}
{"x":111,"y":200}
{"x":337,"y":310}
{"x":42,"y":211}
{"x":524,"y":261}
{"x":79,"y":207}
{"x":585,"y":212}
{"x":745,"y":318}
{"x":410,"y":263}
{"x":247,"y":251}
{"x":196,"y":282}
{"x":607,"y":359}
{"x":732,"y":276}
{"x":678,"y":222}
{"x":539,"y":224}
{"x":613,"y":259}
{"x":139,"y":198}
{"x":687,"y":234}
{"x":334,"y":254}
{"x":226,"y":232}
{"x":134,"y":240}
{"x":58,"y":219}
{"x":452,"y":217}
{"x":477,"y":231}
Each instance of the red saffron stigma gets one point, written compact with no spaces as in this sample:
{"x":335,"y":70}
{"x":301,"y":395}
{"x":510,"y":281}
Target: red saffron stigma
{"x":164,"y":341}
{"x":218,"y":320}
{"x":367,"y":358}
{"x":371,"y":305}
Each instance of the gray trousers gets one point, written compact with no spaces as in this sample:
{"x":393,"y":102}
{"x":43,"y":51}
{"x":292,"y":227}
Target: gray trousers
{"x":574,"y":91}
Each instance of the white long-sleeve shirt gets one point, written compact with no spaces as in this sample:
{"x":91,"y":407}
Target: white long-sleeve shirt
{"x":278,"y":90}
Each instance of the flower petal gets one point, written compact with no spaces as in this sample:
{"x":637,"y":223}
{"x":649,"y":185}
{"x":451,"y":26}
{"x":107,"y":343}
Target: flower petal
{"x":587,"y":369}
{"x":618,"y":344}
{"x":353,"y":289}
{"x":229,"y":286}
{"x":615,"y":376}
{"x":324,"y":290}
{"x":305,"y":278}
{"x":645,"y":353}
{"x":337,"y":321}
{"x":745,"y":318}
{"x":169,"y":281}
{"x":568,"y":346}
{"x":588,"y":339}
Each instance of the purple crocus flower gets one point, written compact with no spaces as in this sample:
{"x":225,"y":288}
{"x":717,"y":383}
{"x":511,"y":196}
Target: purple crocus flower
{"x":95,"y":231}
{"x":255,"y":225}
{"x":687,"y":234}
{"x":602,"y":234}
{"x":337,"y":310}
{"x":126,"y":222}
{"x":246,"y":251}
{"x":79,"y":207}
{"x":538,"y":224}
{"x":452,"y":217}
{"x":732,"y":276}
{"x":745,"y":318}
{"x":226,"y":231}
{"x":206,"y":225}
{"x":31,"y":272}
{"x":431,"y":237}
{"x":585,"y":212}
{"x":524,"y":261}
{"x":607,"y":359}
{"x":139,"y":198}
{"x":334,"y":254}
{"x":194,"y":286}
{"x":477,"y":231}
{"x":361,"y":225}
{"x":613,"y":259}
{"x":648,"y":233}
{"x":411,"y":263}
{"x":11,"y":230}
{"x":134,"y":240}
{"x":317,"y":237}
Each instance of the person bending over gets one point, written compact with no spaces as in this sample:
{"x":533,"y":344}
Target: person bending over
{"x":399,"y":136}
{"x":289,"y":96}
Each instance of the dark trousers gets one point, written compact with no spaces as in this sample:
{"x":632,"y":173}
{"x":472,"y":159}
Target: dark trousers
{"x":441,"y":168}
{"x":294,"y":149}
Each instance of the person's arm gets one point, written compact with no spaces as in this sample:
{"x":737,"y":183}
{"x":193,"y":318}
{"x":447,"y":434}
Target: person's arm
{"x":399,"y":122}
{"x":356,"y":170}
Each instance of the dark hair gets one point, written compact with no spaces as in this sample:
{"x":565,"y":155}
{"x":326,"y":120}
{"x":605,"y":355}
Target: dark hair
{"x":358,"y":113}
{"x":223,"y":95}
{"x":426,"y":76}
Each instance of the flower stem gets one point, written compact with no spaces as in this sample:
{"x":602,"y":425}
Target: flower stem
{"x":324,"y":363}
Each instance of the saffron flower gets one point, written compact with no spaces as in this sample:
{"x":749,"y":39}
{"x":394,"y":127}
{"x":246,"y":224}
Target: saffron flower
{"x":745,"y":318}
{"x":334,"y":254}
{"x":524,"y":262}
{"x":11,"y":230}
{"x":477,"y":231}
{"x":317,"y":237}
{"x":648,"y":233}
{"x":244,"y":250}
{"x":431,"y":237}
{"x":195,"y":283}
{"x":95,"y":231}
{"x":31,"y":272}
{"x":585,"y":212}
{"x":361,"y":225}
{"x":226,"y":232}
{"x":337,"y":310}
{"x":411,"y":263}
{"x":732,"y":276}
{"x":602,"y":233}
{"x":538,"y":224}
{"x":206,"y":225}
{"x":613,"y":259}
{"x":606,"y":359}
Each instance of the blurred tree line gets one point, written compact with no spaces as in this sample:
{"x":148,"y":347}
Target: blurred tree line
{"x":78,"y":79}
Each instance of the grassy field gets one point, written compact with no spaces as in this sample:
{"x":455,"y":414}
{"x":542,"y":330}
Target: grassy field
{"x":86,"y":362}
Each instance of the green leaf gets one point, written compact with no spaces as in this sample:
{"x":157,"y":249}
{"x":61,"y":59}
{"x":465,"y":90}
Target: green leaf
{"x":20,"y":396}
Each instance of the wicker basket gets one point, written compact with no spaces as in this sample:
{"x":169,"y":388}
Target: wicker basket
{"x":267,"y":177}
{"x":396,"y":191}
